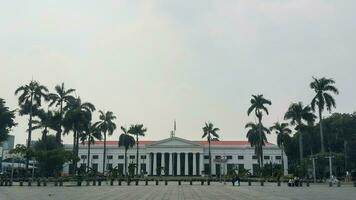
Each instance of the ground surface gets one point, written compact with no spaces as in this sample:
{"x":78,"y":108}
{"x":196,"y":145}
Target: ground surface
{"x":215,"y":191}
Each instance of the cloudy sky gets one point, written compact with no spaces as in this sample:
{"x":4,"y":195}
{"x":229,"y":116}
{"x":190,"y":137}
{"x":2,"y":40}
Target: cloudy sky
{"x":152,"y":62}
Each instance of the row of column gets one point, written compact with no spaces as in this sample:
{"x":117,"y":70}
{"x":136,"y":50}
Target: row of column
{"x":174,"y":162}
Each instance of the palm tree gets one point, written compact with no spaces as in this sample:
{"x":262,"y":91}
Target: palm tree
{"x":76,"y":119}
{"x":58,"y":99}
{"x":323,"y":87}
{"x":31,"y":96}
{"x":299,"y":116}
{"x":126,"y":141}
{"x":283,"y":137}
{"x":256,"y":136}
{"x":106,"y":126}
{"x":90,"y":134}
{"x":48,"y":120}
{"x":7,"y":120}
{"x":258,"y":104}
{"x":208,"y":131}
{"x":137,"y":130}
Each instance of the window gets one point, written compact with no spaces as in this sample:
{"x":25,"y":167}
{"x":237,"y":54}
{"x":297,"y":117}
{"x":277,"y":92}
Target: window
{"x":230,"y":168}
{"x":254,"y":157}
{"x":241,"y":167}
{"x":83,"y":156}
{"x":143,"y":167}
{"x":132,"y":157}
{"x":266,"y":157}
{"x":278,"y":157}
{"x":109,"y":157}
{"x":120,"y":168}
{"x":217,"y":157}
{"x":255,"y":169}
{"x":108,"y":166}
{"x":206,"y":157}
{"x":143,"y":157}
{"x":95,"y":157}
{"x":120,"y":157}
{"x":83,"y":166}
{"x":242,"y":157}
{"x":229,"y":157}
{"x":95,"y":166}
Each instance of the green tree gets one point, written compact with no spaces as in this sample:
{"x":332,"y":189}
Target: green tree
{"x":209,"y":131}
{"x":300,"y":116}
{"x":76,"y":120}
{"x":30,"y":96}
{"x":106,"y":126}
{"x":48,"y":120}
{"x":61,"y":98}
{"x":7,"y":120}
{"x":126,"y":141}
{"x":323,"y":87}
{"x":283,"y":132}
{"x":90,"y":134}
{"x":256,"y":136}
{"x":258,"y":105}
{"x":137,"y":130}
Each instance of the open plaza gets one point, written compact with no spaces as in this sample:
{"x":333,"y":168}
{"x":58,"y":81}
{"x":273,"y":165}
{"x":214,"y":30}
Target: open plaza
{"x":215,"y":191}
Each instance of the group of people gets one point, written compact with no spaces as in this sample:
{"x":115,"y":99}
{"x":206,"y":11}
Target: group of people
{"x":294,"y":182}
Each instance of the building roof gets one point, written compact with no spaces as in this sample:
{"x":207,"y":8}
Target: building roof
{"x":200,"y":142}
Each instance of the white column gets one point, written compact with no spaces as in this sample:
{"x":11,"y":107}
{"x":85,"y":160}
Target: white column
{"x":162,"y":163}
{"x":170,"y":164}
{"x":186,"y":164}
{"x":139,"y":165}
{"x":148,"y":164}
{"x":201,"y":163}
{"x":194,"y":164}
{"x":154,"y":163}
{"x":178,"y":164}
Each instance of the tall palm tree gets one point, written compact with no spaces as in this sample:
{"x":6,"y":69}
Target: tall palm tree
{"x":31,"y":96}
{"x":300,"y":116}
{"x":48,"y":120}
{"x":256,"y":136}
{"x":323,"y":87}
{"x":90,"y":134}
{"x":258,"y":104}
{"x":126,"y":141}
{"x":137,"y":130}
{"x":283,"y":137}
{"x":106,"y":126}
{"x":7,"y":120}
{"x":210,"y":131}
{"x":61,"y":97}
{"x":76,"y":119}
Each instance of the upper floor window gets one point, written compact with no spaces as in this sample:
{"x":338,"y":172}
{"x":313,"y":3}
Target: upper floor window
{"x":229,"y":157}
{"x":109,"y":157}
{"x":206,"y":157}
{"x":241,"y":157}
{"x":132,"y":157}
{"x":217,"y":157}
{"x":278,"y":157}
{"x":266,"y":157}
{"x":254,"y":157}
{"x":143,"y":157}
{"x":83,"y":156}
{"x":95,"y":157}
{"x":120,"y":157}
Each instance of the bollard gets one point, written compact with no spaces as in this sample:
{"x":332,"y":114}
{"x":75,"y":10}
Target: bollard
{"x":44,"y":182}
{"x":79,"y":183}
{"x":354,"y":183}
{"x":128,"y":182}
{"x":5,"y":182}
{"x":38,"y":182}
{"x":1,"y":182}
{"x":21,"y":183}
{"x":202,"y":182}
{"x":279,"y":183}
{"x":119,"y":183}
{"x":179,"y":182}
{"x":136,"y":182}
{"x":165,"y":182}
{"x":330,"y":184}
{"x":190,"y":182}
{"x":208,"y":182}
{"x":112,"y":182}
{"x":146,"y":182}
{"x":99,"y":182}
{"x":87,"y":183}
{"x":338,"y":184}
{"x":60,"y":182}
{"x":249,"y":182}
{"x":262,"y":183}
{"x":10,"y":183}
{"x":29,"y":183}
{"x":308,"y":183}
{"x":157,"y":182}
{"x":55,"y":182}
{"x":94,"y":182}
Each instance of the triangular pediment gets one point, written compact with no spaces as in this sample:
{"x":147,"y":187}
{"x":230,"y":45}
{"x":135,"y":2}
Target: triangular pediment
{"x":174,"y":142}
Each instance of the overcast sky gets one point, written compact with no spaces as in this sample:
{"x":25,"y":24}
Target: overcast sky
{"x":152,"y":62}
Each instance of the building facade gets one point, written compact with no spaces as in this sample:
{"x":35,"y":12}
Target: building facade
{"x":179,"y":157}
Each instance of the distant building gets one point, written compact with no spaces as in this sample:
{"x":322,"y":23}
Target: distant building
{"x":179,"y":156}
{"x":6,"y":146}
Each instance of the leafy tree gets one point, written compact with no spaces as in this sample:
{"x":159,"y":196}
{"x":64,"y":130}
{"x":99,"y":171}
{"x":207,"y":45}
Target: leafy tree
{"x":256,"y":136}
{"x":51,"y":156}
{"x":323,"y":87}
{"x":61,"y":98}
{"x":299,"y":116}
{"x":90,"y":134}
{"x":137,"y":130}
{"x":210,"y":131}
{"x":283,"y":132}
{"x":106,"y":126}
{"x":31,"y":96}
{"x":126,"y":141}
{"x":258,"y":104}
{"x":76,"y":119}
{"x":7,"y":120}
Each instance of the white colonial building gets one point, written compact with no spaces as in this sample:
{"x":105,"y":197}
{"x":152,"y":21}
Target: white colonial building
{"x":180,"y":156}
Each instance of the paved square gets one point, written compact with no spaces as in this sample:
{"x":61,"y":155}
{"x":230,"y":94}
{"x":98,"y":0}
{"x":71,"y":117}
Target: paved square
{"x":216,"y":191}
